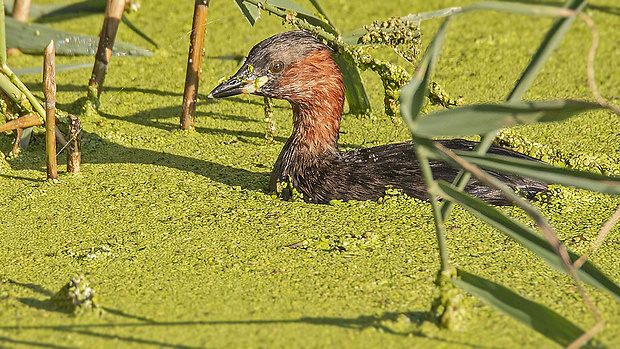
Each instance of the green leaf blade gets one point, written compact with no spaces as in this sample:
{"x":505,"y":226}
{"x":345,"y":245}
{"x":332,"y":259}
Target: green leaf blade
{"x":546,"y":173}
{"x":353,"y":87}
{"x":412,"y":95}
{"x":525,"y":236}
{"x":483,"y":118}
{"x":33,"y":37}
{"x":536,"y":316}
{"x":250,"y":11}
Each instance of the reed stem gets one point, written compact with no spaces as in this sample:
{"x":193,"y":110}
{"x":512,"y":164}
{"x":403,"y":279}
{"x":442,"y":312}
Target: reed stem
{"x":113,"y":13}
{"x":49,"y":90}
{"x":194,"y":61}
{"x":21,"y":10}
{"x":74,"y":147}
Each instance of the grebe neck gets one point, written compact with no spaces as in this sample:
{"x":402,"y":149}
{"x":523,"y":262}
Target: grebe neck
{"x":316,"y":93}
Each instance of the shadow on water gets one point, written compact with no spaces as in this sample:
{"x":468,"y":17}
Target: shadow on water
{"x":106,"y":152}
{"x":356,"y":323}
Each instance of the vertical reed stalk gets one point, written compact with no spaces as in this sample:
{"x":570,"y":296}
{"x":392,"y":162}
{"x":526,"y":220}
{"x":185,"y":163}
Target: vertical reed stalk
{"x":49,"y":90}
{"x":194,"y":61}
{"x":74,"y":147}
{"x":113,"y":13}
{"x":21,"y":10}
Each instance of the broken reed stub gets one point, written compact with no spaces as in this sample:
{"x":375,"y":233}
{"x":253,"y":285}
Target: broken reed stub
{"x":74,"y":145}
{"x":113,"y":13}
{"x":49,"y":90}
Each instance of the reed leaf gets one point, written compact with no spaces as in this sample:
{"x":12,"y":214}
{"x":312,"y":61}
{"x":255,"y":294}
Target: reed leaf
{"x":33,"y":37}
{"x":550,"y":42}
{"x":138,"y":31}
{"x":536,"y":316}
{"x":413,"y":94}
{"x":536,"y":170}
{"x":528,"y":238}
{"x":38,"y":10}
{"x":483,"y":118}
{"x":249,"y":11}
{"x":353,"y":87}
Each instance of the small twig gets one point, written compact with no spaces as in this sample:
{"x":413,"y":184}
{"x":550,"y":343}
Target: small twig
{"x":599,"y":238}
{"x":194,"y":61}
{"x":586,"y":336}
{"x":113,"y":12}
{"x":49,"y":90}
{"x":590,"y":64}
{"x":28,"y":120}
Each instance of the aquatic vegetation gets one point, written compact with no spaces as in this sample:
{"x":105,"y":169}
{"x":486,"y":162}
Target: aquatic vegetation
{"x":185,"y":247}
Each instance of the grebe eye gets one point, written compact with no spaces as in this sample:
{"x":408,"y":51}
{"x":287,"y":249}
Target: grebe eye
{"x":276,"y":67}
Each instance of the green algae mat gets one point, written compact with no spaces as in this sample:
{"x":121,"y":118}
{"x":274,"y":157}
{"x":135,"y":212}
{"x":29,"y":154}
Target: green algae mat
{"x":184,"y":246}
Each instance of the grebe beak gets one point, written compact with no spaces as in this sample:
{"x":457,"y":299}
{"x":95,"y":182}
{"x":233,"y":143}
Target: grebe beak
{"x":238,"y":84}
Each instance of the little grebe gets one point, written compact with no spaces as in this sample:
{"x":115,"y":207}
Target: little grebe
{"x":300,"y":69}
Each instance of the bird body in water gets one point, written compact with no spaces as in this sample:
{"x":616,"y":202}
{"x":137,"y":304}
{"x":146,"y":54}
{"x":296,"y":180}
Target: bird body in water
{"x":296,"y":67}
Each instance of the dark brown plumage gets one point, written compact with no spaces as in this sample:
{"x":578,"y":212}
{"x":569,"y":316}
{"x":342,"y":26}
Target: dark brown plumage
{"x":300,"y":69}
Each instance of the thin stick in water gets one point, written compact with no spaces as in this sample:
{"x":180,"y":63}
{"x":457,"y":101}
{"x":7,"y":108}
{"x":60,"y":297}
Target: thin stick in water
{"x":74,"y":146}
{"x":194,"y":61}
{"x":27,"y":120}
{"x":21,"y":10}
{"x":113,"y":13}
{"x":49,"y":90}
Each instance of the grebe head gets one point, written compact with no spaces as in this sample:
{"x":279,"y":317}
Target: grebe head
{"x":292,"y":65}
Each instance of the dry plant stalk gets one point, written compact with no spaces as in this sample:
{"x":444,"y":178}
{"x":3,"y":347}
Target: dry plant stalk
{"x":74,"y":146}
{"x":113,"y":13}
{"x":21,"y":10}
{"x":27,"y":120}
{"x":194,"y":61}
{"x":49,"y":90}
{"x":599,"y":238}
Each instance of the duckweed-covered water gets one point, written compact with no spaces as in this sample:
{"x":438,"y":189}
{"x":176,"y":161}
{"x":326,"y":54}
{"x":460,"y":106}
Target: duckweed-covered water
{"x":184,"y":247}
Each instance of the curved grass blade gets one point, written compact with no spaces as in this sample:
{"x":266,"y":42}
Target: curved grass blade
{"x":412,"y":95}
{"x":540,"y":171}
{"x":291,"y":6}
{"x":550,"y":42}
{"x":521,"y":8}
{"x":483,"y":118}
{"x":33,"y":37}
{"x":250,"y":11}
{"x":525,"y":236}
{"x":529,"y":74}
{"x":320,"y":9}
{"x":353,"y":87}
{"x":138,"y":31}
{"x":59,"y":68}
{"x":305,"y":14}
{"x":536,"y":316}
